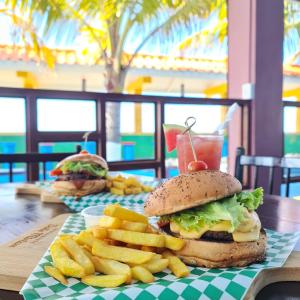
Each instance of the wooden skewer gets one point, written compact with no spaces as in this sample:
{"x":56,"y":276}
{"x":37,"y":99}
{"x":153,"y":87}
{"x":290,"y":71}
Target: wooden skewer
{"x":188,"y":130}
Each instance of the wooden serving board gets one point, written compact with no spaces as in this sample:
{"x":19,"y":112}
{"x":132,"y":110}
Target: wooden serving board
{"x":20,"y":256}
{"x":32,"y":189}
{"x":289,"y":272}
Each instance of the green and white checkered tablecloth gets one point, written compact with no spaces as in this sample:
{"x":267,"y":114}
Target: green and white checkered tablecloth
{"x":202,"y":283}
{"x":78,"y":205}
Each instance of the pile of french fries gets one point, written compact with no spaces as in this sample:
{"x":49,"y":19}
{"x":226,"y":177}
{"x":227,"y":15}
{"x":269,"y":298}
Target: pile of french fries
{"x":122,"y":247}
{"x":120,"y":185}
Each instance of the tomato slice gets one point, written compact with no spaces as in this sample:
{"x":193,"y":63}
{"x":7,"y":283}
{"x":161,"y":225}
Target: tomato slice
{"x":162,"y":223}
{"x":55,"y":172}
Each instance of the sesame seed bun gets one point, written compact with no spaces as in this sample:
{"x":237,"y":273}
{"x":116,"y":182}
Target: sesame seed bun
{"x":85,"y":157}
{"x":190,"y":190}
{"x":68,"y":188}
{"x":211,"y":254}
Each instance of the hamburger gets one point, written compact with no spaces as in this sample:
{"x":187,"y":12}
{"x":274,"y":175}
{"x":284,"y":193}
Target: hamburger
{"x":80,"y":174}
{"x":217,"y":220}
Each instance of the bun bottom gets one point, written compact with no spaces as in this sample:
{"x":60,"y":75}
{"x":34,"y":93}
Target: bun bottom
{"x":67,"y":188}
{"x":223,"y":254}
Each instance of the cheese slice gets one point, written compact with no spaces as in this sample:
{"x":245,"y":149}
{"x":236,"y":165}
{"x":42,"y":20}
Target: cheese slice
{"x":193,"y":234}
{"x":222,"y":226}
{"x":246,"y":232}
{"x":252,"y":221}
{"x":174,"y":227}
{"x":246,"y":236}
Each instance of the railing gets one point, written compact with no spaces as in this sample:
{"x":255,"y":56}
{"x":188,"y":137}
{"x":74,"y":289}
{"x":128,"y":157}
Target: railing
{"x":34,"y":137}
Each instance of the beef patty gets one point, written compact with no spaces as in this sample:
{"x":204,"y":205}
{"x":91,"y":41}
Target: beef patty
{"x":76,"y":176}
{"x":222,"y":236}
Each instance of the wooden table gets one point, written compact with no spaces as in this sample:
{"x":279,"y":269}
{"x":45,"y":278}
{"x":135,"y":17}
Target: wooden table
{"x":19,"y":214}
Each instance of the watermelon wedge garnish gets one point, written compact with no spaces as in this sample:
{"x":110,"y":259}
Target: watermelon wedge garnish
{"x":171,"y":131}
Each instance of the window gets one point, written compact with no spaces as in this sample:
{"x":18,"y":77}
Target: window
{"x":66,"y":115}
{"x":130,"y":131}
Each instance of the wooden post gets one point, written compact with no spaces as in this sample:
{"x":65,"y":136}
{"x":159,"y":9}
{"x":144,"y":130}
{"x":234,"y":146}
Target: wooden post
{"x":255,"y":39}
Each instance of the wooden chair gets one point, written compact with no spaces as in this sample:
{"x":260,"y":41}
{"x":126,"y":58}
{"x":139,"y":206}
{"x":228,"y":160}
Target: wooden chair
{"x":257,"y":162}
{"x":289,"y":163}
{"x":31,"y":159}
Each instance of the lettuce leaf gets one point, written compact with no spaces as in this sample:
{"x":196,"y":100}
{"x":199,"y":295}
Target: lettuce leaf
{"x":83,"y":167}
{"x":233,"y":209}
{"x":209,"y":214}
{"x":251,"y":199}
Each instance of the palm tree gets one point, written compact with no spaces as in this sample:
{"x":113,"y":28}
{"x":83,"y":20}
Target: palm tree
{"x":217,"y":30}
{"x":105,"y":28}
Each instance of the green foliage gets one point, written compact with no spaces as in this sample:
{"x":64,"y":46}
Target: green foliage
{"x":103,"y":27}
{"x":217,"y":32}
{"x":83,"y":167}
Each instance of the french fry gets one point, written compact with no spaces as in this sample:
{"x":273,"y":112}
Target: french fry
{"x":173,"y":243}
{"x":58,"y":251}
{"x":87,"y":253}
{"x":109,"y":222}
{"x":118,"y":178}
{"x":147,"y":189}
{"x":104,"y":281}
{"x":128,"y":191}
{"x":56,"y":274}
{"x":132,"y":182}
{"x":85,"y":238}
{"x":157,"y":256}
{"x":63,"y":262}
{"x":78,"y":255}
{"x":135,"y":190}
{"x":99,"y":232}
{"x":178,"y":268}
{"x":122,"y":254}
{"x":111,"y":267}
{"x":62,"y":236}
{"x":119,"y":184}
{"x":137,"y":238}
{"x":142,"y":274}
{"x":156,"y":265}
{"x":134,"y":226}
{"x":167,"y":254}
{"x":151,"y":229}
{"x":69,"y":267}
{"x":115,"y":191}
{"x":87,"y":247}
{"x":122,"y":213}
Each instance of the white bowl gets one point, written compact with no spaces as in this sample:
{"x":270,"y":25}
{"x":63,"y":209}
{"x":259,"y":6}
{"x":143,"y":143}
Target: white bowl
{"x":92,"y":214}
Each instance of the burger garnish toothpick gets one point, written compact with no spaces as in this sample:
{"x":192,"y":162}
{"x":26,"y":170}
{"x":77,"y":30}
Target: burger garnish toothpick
{"x":217,"y":220}
{"x":196,"y":165}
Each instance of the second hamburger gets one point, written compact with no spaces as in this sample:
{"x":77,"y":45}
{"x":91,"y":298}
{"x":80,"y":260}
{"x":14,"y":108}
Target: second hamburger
{"x":80,"y":174}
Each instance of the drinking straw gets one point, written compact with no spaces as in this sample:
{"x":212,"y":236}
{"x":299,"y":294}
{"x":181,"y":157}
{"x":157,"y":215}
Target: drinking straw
{"x":85,"y":137}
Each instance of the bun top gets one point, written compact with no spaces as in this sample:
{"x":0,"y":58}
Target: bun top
{"x":85,"y":157}
{"x":190,"y":190}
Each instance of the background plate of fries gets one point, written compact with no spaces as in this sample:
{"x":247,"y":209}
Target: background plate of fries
{"x":125,"y":257}
{"x":127,"y":191}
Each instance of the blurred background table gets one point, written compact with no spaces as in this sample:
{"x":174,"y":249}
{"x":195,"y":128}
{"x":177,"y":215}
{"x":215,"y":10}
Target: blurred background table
{"x":20,"y":213}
